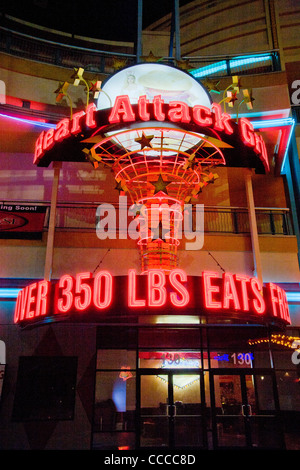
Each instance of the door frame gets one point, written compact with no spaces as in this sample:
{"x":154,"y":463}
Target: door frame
{"x":171,"y":416}
{"x":242,"y":372}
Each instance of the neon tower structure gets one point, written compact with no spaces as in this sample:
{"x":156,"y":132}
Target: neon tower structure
{"x":160,"y":167}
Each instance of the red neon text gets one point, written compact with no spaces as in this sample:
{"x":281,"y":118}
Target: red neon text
{"x":156,"y":291}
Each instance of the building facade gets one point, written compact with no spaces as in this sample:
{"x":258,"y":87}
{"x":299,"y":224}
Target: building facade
{"x":115,"y":338}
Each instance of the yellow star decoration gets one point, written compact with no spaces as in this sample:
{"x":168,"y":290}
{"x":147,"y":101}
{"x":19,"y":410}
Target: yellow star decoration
{"x":160,"y":185}
{"x":94,"y":88}
{"x":145,"y":141}
{"x":231,"y":98}
{"x":248,"y":98}
{"x":184,"y":65}
{"x":211,"y":85}
{"x":121,"y":185}
{"x":150,"y":58}
{"x":77,"y":76}
{"x":190,"y":162}
{"x":61,"y":91}
{"x":210,"y":178}
{"x":159,"y":232}
{"x":119,"y":63}
{"x":92,"y":157}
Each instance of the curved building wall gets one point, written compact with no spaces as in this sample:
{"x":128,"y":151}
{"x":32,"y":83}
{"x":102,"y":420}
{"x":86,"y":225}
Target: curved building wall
{"x":227,"y":26}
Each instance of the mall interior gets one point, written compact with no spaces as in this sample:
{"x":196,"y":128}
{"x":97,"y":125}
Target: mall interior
{"x":83,"y":325}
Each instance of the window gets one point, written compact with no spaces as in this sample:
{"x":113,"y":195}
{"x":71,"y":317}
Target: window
{"x":45,"y":388}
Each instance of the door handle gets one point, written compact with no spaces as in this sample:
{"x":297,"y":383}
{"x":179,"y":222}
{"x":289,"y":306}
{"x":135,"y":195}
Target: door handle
{"x":171,"y":410}
{"x":248,"y":410}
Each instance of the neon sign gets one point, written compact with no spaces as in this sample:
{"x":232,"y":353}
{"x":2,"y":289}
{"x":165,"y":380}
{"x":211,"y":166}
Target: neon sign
{"x":198,"y":118}
{"x":84,"y":296}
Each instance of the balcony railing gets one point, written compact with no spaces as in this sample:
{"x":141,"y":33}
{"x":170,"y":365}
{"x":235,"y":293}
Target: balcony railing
{"x":217,"y":219}
{"x":103,"y":62}
{"x":81,"y":217}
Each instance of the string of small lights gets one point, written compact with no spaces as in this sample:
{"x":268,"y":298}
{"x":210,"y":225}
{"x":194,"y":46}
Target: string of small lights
{"x":279,"y":339}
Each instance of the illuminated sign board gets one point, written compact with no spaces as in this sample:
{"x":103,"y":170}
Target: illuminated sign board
{"x":85,"y":297}
{"x":201,"y":119}
{"x":154,"y":96}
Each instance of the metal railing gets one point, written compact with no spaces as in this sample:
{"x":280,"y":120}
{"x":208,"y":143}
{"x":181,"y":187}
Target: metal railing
{"x":76,"y":216}
{"x":101,"y":61}
{"x":234,"y":220}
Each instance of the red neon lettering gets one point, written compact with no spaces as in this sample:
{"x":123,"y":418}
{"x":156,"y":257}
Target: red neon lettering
{"x":274,"y":299}
{"x":260,"y":148}
{"x":243,"y":280}
{"x":202,"y":115}
{"x":143,"y":112}
{"x":82,"y":289}
{"x":39,"y":147}
{"x":122,"y":107}
{"x":229,"y":292}
{"x":48,"y":139}
{"x":157,"y":294}
{"x":62,"y":130}
{"x":18,"y":308}
{"x":65,"y":303}
{"x":76,"y":127}
{"x":90,"y":114}
{"x":286,"y":308}
{"x":132,"y":300}
{"x":281,"y":303}
{"x":247,"y":132}
{"x":157,"y":108}
{"x":42,"y":298}
{"x":30,"y":300}
{"x":23,"y":302}
{"x":221,"y":120}
{"x":209,"y":290}
{"x":185,"y":297}
{"x":180,"y":113}
{"x":258,"y":303}
{"x":264,"y":155}
{"x":103,"y":284}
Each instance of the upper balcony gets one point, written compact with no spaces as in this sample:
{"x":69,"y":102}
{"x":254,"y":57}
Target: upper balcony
{"x":105,"y":61}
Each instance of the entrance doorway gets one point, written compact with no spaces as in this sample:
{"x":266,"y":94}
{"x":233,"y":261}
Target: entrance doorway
{"x":214,"y":409}
{"x":172,"y":409}
{"x":245,"y":409}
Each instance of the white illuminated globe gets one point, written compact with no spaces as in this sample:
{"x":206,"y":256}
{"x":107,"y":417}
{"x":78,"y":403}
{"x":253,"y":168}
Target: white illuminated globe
{"x":152,"y":80}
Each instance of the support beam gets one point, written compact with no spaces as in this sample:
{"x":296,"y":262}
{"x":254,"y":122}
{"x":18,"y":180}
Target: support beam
{"x":52,"y":219}
{"x":177,"y":30}
{"x":253,"y":227}
{"x":139,"y":31}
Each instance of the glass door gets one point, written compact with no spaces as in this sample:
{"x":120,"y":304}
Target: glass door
{"x":171,"y":412}
{"x":245,"y":411}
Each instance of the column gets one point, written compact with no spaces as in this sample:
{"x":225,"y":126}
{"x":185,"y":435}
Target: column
{"x":253,"y":226}
{"x":51,"y":225}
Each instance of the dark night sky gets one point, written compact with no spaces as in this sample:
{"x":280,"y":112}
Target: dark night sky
{"x":112,"y":19}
